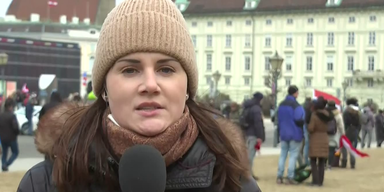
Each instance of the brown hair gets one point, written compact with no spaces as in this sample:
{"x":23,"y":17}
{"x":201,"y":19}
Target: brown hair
{"x":71,"y":165}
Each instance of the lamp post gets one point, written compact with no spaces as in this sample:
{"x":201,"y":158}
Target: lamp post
{"x":276,"y":62}
{"x":3,"y":62}
{"x":345,"y":86}
{"x":216,"y":77}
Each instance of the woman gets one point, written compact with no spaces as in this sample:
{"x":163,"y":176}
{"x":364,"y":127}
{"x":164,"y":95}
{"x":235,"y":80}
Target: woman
{"x":379,"y":128}
{"x":318,"y":140}
{"x":235,"y":113}
{"x":145,"y":79}
{"x":334,"y":139}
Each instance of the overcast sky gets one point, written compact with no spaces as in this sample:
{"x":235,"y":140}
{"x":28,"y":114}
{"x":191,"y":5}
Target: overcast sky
{"x":4,"y":4}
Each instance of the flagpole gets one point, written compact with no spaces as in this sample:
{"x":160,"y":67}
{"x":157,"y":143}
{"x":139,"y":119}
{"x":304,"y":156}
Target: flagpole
{"x":48,"y":13}
{"x":87,"y":9}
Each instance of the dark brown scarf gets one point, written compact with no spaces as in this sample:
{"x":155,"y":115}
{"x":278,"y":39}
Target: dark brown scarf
{"x":173,"y":143}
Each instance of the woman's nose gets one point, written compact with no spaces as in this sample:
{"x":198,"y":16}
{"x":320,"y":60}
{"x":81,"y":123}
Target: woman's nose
{"x":150,"y":84}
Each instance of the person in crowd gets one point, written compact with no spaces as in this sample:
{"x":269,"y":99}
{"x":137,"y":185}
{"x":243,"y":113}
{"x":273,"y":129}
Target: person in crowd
{"x":255,"y":132}
{"x":318,"y":140}
{"x":379,"y":128}
{"x":54,"y":101}
{"x":290,"y":117}
{"x":235,"y":113}
{"x":29,"y":108}
{"x":308,"y":104}
{"x":334,"y":137}
{"x":226,"y":110}
{"x":9,"y":129}
{"x":368,"y":124}
{"x":145,"y":79}
{"x":352,"y":125}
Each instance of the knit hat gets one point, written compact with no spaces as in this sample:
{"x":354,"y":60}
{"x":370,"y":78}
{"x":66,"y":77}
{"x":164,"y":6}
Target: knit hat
{"x":144,"y":26}
{"x":292,"y":89}
{"x":258,"y":96}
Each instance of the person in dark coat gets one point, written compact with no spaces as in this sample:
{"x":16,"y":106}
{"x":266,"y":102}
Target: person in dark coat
{"x":255,"y":132}
{"x":379,"y":128}
{"x":318,"y":140}
{"x":352,"y":125}
{"x":9,"y":129}
{"x":54,"y":101}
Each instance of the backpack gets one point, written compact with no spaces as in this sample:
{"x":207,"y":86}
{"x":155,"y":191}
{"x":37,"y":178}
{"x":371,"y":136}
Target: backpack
{"x":243,"y":119}
{"x":332,"y":127}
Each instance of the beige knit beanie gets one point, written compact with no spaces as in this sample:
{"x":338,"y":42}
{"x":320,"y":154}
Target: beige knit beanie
{"x":144,"y":26}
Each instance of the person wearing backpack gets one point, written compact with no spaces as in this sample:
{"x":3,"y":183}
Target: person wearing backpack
{"x":368,"y":124}
{"x":290,"y":120}
{"x":251,"y":121}
{"x":318,"y":140}
{"x":335,"y":131}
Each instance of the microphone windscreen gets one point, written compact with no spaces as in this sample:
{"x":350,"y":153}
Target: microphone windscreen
{"x":142,"y":169}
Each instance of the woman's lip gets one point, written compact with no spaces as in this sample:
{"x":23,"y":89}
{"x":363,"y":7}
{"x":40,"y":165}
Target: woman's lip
{"x":149,"y":113}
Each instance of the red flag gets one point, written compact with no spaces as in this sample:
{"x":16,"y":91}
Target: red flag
{"x":344,"y":142}
{"x":52,"y":3}
{"x":317,"y":93}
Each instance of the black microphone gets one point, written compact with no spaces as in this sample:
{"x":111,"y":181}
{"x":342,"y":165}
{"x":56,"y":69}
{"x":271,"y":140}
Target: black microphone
{"x":142,"y":169}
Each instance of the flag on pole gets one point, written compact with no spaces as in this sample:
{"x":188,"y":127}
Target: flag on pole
{"x":52,"y":3}
{"x":85,"y":79}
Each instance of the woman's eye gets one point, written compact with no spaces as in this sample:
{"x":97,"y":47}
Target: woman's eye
{"x":166,"y":70}
{"x":129,"y":70}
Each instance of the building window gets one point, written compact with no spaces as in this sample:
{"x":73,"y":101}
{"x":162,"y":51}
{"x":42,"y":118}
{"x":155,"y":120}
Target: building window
{"x":370,"y":83}
{"x":227,"y":63}
{"x":247,"y":63}
{"x":371,"y":63}
{"x":288,"y":82}
{"x":267,"y":41}
{"x":329,"y":63}
{"x":372,"y":18}
{"x":229,"y":23}
{"x":209,"y":62}
{"x":309,"y":39}
{"x":209,"y":40}
{"x":308,"y":82}
{"x":247,"y":40}
{"x":210,"y":24}
{"x":290,"y":21}
{"x":351,"y":38}
{"x":288,"y":63}
{"x":227,"y":80}
{"x":248,"y":22}
{"x":329,"y":82}
{"x":310,"y":20}
{"x":268,"y":22}
{"x":309,"y":63}
{"x":194,"y":40}
{"x":351,"y":19}
{"x":247,"y":81}
{"x":228,"y":41}
{"x":330,"y":39}
{"x":372,"y":38}
{"x":289,"y":40}
{"x":194,"y":24}
{"x":351,"y":63}
{"x":331,"y":20}
{"x":267,"y":65}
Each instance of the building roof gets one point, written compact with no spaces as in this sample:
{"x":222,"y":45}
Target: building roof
{"x":91,"y":9}
{"x":221,"y":6}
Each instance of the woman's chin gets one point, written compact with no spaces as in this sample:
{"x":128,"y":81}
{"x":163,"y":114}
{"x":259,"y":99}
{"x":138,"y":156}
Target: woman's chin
{"x":151,"y":128}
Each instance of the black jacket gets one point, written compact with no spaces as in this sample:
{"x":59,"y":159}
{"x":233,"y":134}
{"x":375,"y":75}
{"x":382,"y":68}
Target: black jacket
{"x":255,"y":119}
{"x":9,"y":127}
{"x":193,"y":173}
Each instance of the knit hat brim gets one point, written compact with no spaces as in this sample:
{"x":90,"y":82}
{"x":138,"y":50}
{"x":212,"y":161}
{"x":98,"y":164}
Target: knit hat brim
{"x":127,"y":32}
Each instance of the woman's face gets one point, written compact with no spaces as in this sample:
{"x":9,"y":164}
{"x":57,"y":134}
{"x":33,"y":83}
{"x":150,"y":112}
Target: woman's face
{"x":146,"y":92}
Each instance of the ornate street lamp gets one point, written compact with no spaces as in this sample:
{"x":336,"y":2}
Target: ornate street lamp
{"x":276,"y":63}
{"x":3,"y":62}
{"x":345,"y":86}
{"x":216,"y":77}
